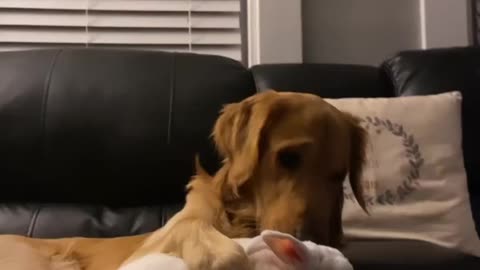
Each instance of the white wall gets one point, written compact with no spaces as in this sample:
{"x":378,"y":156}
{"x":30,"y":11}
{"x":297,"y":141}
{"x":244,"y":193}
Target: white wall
{"x":275,"y":31}
{"x":359,"y":32}
{"x":445,"y":23}
{"x":369,"y":31}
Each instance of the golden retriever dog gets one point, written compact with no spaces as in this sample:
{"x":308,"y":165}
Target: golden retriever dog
{"x":286,"y":156}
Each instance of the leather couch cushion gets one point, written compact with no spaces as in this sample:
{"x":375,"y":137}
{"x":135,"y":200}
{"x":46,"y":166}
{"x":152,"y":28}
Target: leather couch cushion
{"x":332,"y":81}
{"x":109,"y":126}
{"x":100,"y":142}
{"x":66,"y":220}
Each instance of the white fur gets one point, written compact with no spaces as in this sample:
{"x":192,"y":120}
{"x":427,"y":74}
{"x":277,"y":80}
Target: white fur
{"x":156,"y":261}
{"x":261,"y":255}
{"x":324,"y":257}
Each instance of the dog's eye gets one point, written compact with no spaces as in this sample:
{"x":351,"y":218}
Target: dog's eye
{"x":289,"y":159}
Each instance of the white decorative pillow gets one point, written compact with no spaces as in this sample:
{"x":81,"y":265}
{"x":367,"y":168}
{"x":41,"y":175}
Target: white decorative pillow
{"x":415,"y":181}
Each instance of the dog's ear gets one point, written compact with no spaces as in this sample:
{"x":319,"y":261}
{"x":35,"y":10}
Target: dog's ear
{"x":237,"y":134}
{"x":358,"y":145}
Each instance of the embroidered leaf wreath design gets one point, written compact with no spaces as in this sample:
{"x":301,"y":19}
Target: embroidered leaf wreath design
{"x":412,"y":152}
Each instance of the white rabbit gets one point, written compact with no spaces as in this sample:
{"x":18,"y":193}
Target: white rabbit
{"x":271,"y":250}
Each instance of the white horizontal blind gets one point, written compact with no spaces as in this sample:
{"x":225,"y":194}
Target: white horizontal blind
{"x":201,"y":26}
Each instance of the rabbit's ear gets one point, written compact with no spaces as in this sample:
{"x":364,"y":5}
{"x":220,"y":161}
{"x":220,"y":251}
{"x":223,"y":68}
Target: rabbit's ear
{"x":287,"y":248}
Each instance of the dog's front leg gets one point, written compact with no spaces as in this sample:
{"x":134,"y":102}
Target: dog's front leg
{"x":203,"y":247}
{"x":191,"y":234}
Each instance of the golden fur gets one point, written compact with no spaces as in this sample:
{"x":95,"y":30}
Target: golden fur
{"x":285,"y":158}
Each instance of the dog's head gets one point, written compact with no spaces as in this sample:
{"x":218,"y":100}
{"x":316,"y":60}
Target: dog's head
{"x":286,"y":156}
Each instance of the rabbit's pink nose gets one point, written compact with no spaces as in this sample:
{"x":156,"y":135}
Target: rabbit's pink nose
{"x":289,"y":249}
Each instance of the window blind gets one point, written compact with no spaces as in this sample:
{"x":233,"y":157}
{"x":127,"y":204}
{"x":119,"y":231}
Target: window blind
{"x":201,"y":26}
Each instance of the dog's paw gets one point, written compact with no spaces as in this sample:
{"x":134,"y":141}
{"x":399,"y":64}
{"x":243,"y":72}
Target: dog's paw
{"x":217,"y":252}
{"x":205,"y":248}
{"x":230,"y":256}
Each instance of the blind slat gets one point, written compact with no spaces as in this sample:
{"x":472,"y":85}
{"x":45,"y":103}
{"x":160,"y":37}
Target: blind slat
{"x":127,"y":5}
{"x":29,"y":18}
{"x":200,"y":26}
{"x":28,"y":35}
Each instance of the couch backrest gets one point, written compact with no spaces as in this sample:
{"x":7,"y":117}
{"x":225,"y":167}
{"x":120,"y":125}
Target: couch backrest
{"x":87,"y":133}
{"x":325,"y":80}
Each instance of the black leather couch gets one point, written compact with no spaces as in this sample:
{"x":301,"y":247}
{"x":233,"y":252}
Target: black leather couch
{"x":100,"y":143}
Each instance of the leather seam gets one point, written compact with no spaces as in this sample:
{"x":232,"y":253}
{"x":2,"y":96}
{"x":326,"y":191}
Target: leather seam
{"x":33,"y":222}
{"x":255,"y":81}
{"x":46,"y":92}
{"x":170,"y":102}
{"x":388,"y":69}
